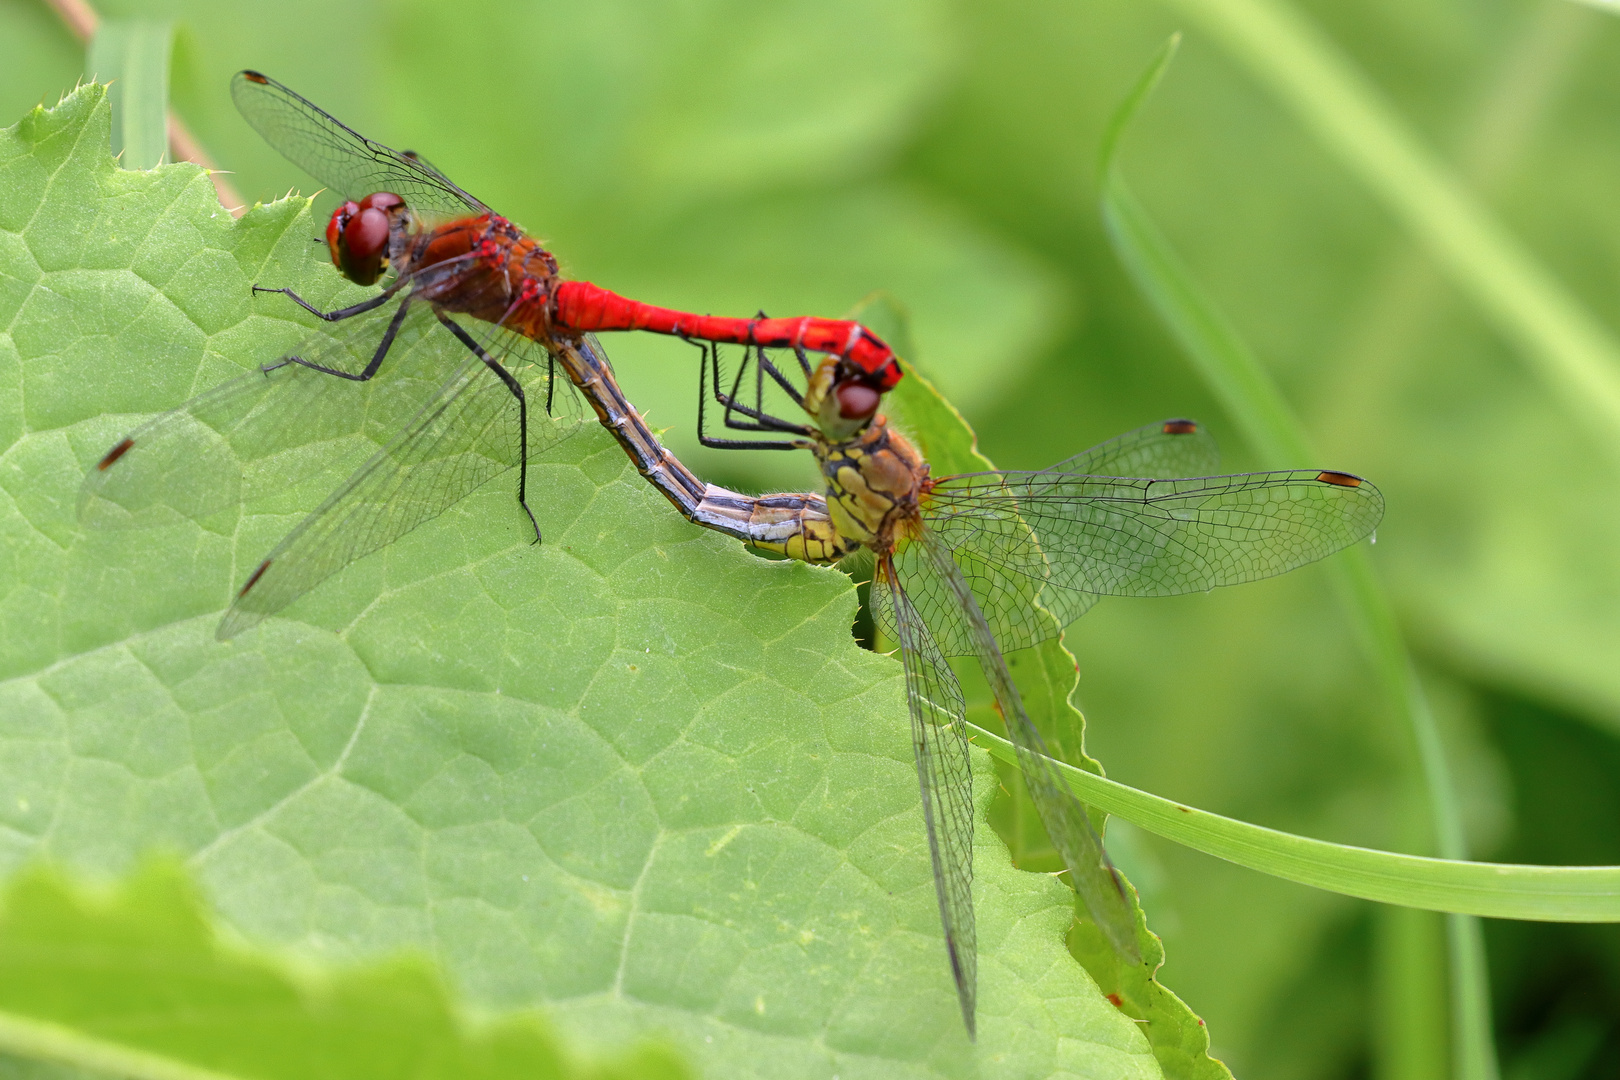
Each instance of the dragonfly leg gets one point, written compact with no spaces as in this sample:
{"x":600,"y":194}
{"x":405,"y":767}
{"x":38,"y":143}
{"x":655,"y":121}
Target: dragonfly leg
{"x":703,"y":393}
{"x":764,"y":421}
{"x":383,"y":346}
{"x":332,"y":316}
{"x":523,"y":411}
{"x":776,"y":375}
{"x":730,"y":400}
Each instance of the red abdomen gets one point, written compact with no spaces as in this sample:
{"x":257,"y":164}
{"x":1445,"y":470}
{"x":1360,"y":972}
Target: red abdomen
{"x":581,"y":306}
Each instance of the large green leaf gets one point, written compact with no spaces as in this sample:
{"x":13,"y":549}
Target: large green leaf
{"x":984,"y":123}
{"x":634,"y":774}
{"x":138,"y":983}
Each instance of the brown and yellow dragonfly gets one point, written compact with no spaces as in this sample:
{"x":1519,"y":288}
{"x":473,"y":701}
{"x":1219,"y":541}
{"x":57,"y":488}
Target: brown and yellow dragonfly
{"x":975,"y":564}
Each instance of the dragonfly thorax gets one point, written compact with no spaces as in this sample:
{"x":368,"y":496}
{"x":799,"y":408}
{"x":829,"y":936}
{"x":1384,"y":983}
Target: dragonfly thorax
{"x":484,"y":266}
{"x":874,"y":484}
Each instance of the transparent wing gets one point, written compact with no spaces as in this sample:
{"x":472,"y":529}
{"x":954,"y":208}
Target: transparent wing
{"x":279,"y":425}
{"x":1009,"y":581}
{"x":342,"y":159}
{"x":1092,"y":876}
{"x":468,"y":433}
{"x":1065,"y":539}
{"x":1163,"y":450}
{"x":939,"y":737}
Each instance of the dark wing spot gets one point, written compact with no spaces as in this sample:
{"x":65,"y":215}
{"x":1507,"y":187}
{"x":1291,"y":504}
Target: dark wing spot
{"x":254,"y":580}
{"x":114,"y":454}
{"x":1341,"y":479}
{"x":254,"y":76}
{"x":1180,"y":427}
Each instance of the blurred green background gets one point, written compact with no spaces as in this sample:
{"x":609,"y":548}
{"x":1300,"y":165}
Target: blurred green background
{"x":794,"y":156}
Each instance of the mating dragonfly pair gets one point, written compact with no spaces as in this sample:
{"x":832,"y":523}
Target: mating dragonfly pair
{"x":460,"y":355}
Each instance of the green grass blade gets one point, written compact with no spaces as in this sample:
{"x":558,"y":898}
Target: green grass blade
{"x":1410,"y":1012}
{"x":1222,"y":359}
{"x":1494,"y":890}
{"x":1472,"y":1041}
{"x":133,"y":55}
{"x":1235,"y":374}
{"x":1565,"y":345}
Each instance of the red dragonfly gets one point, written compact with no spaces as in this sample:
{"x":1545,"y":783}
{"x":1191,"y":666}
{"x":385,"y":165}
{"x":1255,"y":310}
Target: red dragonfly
{"x":412,"y":218}
{"x":466,"y":284}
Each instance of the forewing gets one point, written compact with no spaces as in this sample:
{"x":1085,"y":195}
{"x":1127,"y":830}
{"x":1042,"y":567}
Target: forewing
{"x":939,"y":737}
{"x":1090,"y":872}
{"x":467,"y":434}
{"x":343,"y":159}
{"x":1071,"y":538}
{"x":1147,"y":537}
{"x":1162,"y":450}
{"x":278,"y":424}
{"x":998,"y":551}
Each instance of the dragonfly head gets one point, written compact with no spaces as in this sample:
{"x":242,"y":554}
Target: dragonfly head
{"x":359,"y":234}
{"x":842,"y":398}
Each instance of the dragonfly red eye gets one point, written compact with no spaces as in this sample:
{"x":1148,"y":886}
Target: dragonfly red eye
{"x":358,"y":237}
{"x":334,"y":230}
{"x":856,"y":400}
{"x":366,"y":234}
{"x":381,"y":200}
